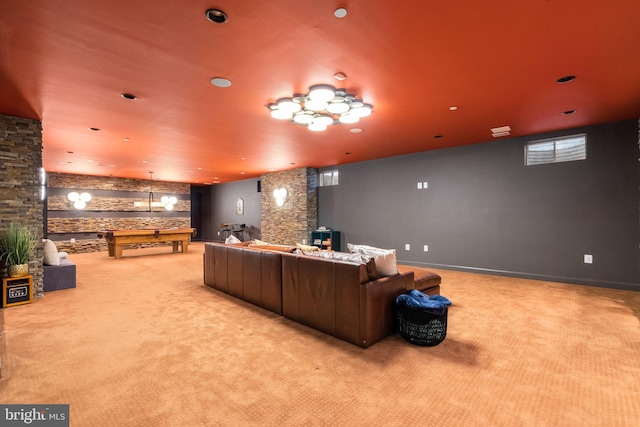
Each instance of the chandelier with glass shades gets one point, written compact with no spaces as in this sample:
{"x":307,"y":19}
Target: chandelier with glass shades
{"x":324,"y":105}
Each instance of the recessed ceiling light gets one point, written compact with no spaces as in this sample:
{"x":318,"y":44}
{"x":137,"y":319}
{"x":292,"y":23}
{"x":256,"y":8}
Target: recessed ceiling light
{"x":216,"y":15}
{"x":128,"y":96}
{"x":347,"y":153}
{"x":453,"y":108}
{"x":339,"y":76}
{"x":95,"y":129}
{"x":355,"y":130}
{"x":220,"y":82}
{"x":566,"y":113}
{"x":437,"y":136}
{"x":341,"y":12}
{"x":566,"y":79}
{"x":127,"y":139}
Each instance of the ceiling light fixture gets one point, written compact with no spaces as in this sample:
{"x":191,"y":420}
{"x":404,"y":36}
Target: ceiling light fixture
{"x":129,"y":96}
{"x":324,"y":105}
{"x":216,"y":15}
{"x":566,"y":79}
{"x":340,"y":12}
{"x":220,"y":82}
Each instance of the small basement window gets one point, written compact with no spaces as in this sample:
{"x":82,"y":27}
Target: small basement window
{"x":328,"y":178}
{"x":555,"y":150}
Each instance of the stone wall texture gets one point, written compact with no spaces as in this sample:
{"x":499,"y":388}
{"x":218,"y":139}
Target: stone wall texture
{"x":111,"y":208}
{"x":293,"y":222}
{"x":20,"y":166}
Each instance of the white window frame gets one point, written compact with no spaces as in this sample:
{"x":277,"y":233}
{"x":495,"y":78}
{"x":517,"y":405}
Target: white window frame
{"x":554,"y":151}
{"x":329,"y":177}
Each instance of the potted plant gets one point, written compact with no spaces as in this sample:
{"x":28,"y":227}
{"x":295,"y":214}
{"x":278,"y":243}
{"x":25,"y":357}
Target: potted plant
{"x":16,"y":246}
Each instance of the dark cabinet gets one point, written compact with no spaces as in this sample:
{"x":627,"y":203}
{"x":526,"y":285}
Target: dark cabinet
{"x":326,"y":239}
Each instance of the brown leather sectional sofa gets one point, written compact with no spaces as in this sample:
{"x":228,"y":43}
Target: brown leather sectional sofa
{"x":335,"y":296}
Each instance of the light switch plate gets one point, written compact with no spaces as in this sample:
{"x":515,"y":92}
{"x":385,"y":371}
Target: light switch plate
{"x":588,"y":259}
{"x":407,"y":247}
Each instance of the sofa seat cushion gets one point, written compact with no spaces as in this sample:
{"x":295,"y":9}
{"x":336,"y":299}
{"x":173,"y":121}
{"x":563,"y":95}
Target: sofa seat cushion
{"x":423,"y":278}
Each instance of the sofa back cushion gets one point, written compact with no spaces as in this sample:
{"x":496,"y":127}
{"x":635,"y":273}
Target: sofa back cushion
{"x":354,"y":258}
{"x":385,"y":258}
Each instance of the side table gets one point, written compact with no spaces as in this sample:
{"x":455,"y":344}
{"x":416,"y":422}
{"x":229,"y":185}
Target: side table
{"x":17,"y":290}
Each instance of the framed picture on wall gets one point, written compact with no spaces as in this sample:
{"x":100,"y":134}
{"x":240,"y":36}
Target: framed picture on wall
{"x":240,"y":207}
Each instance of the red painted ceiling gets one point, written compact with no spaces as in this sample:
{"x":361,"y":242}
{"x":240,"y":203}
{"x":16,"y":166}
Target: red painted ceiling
{"x":67,"y":62}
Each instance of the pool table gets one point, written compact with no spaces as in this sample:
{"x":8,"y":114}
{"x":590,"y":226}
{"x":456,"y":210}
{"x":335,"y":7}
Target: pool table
{"x":180,"y":237}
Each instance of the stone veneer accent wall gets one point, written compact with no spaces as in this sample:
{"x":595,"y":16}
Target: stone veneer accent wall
{"x":20,"y":165}
{"x":111,"y":208}
{"x":294,"y":221}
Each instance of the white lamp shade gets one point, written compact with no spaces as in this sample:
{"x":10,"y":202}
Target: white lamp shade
{"x":281,"y":114}
{"x":173,"y":200}
{"x":349,"y":118}
{"x":338,"y":107}
{"x":317,"y":127}
{"x":303,"y":118}
{"x":363,"y":111}
{"x":85,"y":197}
{"x":79,"y":204}
{"x":168,"y":207}
{"x":287,"y":104}
{"x":164,"y":199}
{"x":323,"y":93}
{"x":315,"y":105}
{"x":323,"y":119}
{"x":73,"y":196}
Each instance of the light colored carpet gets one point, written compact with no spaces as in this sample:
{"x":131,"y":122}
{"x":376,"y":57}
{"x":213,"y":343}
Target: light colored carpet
{"x":142,"y":342}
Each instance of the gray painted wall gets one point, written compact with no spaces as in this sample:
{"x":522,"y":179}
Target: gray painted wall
{"x":218,"y":205}
{"x":485,"y":211}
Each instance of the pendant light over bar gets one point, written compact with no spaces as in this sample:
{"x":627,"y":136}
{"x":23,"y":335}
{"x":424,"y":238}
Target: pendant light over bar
{"x":323,"y":106}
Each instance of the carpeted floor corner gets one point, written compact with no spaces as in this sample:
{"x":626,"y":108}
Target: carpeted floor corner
{"x":142,"y":342}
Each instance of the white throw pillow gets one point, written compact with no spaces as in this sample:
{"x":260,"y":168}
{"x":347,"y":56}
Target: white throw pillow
{"x":232,"y":239}
{"x":51,"y":256}
{"x":63,"y":255}
{"x":385,"y":258}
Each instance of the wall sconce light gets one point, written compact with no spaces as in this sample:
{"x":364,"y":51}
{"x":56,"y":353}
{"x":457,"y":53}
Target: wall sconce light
{"x":280,"y":194}
{"x":168,"y":202}
{"x":79,"y":200}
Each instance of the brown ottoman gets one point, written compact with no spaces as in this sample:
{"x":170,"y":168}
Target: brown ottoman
{"x":425,"y":280}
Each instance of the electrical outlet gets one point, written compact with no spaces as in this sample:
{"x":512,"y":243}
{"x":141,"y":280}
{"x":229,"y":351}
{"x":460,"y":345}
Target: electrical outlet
{"x":419,"y":186}
{"x":304,"y":241}
{"x":218,"y":233}
{"x":425,"y":184}
{"x":588,"y":259}
{"x":407,"y":247}
{"x":426,"y":248}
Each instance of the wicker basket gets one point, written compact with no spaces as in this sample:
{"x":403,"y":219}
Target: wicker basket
{"x":421,"y":327}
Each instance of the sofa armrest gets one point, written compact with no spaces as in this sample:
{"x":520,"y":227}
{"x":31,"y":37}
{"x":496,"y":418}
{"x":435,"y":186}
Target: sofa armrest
{"x":377,"y":306}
